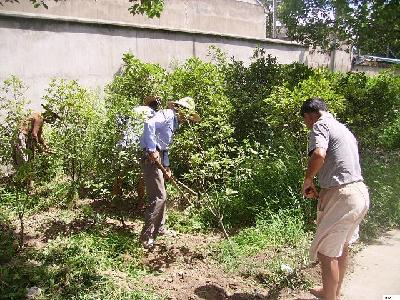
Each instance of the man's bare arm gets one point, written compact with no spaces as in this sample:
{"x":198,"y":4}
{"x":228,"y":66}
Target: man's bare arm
{"x":315,"y":163}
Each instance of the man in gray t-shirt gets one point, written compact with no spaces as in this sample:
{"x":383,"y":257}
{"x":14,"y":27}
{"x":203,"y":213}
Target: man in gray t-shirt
{"x":341,"y":165}
{"x":343,"y":199}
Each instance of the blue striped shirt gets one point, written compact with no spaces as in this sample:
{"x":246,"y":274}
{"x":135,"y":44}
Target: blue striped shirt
{"x":158,"y":133}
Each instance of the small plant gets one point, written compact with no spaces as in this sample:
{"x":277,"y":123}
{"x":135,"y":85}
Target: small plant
{"x":389,"y":138}
{"x":13,"y":109}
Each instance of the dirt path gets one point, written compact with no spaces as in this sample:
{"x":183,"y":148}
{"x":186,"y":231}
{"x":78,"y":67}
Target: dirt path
{"x":376,"y":270}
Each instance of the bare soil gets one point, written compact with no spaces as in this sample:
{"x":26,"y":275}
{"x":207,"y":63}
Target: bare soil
{"x":182,"y":266}
{"x":186,"y":271}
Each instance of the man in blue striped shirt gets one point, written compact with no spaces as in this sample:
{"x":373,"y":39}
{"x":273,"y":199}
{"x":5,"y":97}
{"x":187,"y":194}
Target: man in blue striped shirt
{"x":132,"y":130}
{"x":157,"y":136}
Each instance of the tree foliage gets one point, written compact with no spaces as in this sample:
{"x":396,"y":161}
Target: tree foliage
{"x":371,"y":25}
{"x":152,"y":8}
{"x":379,"y":28}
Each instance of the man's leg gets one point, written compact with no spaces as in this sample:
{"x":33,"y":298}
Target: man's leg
{"x":152,"y":220}
{"x":154,"y":180}
{"x":342,"y":263}
{"x":159,"y":228}
{"x":330,"y":276}
{"x":162,"y":230}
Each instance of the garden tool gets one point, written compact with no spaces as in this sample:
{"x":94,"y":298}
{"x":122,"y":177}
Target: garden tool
{"x":179,"y":185}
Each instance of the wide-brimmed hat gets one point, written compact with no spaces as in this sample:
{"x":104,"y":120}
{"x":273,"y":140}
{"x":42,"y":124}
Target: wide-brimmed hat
{"x":188,"y":104}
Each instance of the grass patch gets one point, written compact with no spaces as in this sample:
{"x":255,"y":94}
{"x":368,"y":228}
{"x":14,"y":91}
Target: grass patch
{"x":274,"y":251}
{"x":382,"y":175}
{"x":95,"y":264}
{"x":186,"y":221}
{"x":8,"y":244}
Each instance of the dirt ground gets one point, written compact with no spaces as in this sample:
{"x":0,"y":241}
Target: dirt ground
{"x":182,"y":265}
{"x":183,"y":268}
{"x":187,"y":272}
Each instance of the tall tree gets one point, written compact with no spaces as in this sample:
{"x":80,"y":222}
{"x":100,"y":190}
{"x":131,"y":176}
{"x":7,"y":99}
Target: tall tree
{"x":152,"y":8}
{"x":372,"y":26}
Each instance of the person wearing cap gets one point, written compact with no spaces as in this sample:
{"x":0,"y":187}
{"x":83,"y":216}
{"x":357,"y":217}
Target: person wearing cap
{"x":343,"y":200}
{"x":155,"y":141}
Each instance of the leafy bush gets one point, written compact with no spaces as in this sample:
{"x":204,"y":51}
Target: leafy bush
{"x":7,"y":242}
{"x":372,"y":104}
{"x":205,"y":158}
{"x":247,"y":87}
{"x":73,"y":134}
{"x":381,"y":172}
{"x":135,"y":81}
{"x":112,"y":162}
{"x":389,"y":138}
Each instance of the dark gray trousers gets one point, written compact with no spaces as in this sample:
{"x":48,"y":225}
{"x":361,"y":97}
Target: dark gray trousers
{"x":154,"y":218}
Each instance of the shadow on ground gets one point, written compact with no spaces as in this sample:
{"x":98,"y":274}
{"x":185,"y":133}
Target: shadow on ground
{"x":102,"y":213}
{"x":214,"y":292}
{"x":162,"y":257}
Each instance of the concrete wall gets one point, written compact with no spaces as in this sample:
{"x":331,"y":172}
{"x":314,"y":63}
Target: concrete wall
{"x":37,"y":47}
{"x":235,"y":17}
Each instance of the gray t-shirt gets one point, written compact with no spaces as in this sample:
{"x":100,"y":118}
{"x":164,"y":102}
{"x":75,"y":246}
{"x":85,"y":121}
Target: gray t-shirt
{"x":341,"y":164}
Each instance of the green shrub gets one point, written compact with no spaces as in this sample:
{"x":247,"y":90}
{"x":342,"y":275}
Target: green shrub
{"x":72,"y":136}
{"x":389,"y":137}
{"x":372,"y":104}
{"x":135,"y":81}
{"x":247,"y":87}
{"x":7,"y":240}
{"x":127,"y":90}
{"x":381,"y":172}
{"x":204,"y":158}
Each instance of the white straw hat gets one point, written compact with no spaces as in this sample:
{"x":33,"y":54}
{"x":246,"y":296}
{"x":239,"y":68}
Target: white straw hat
{"x":188,"y":103}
